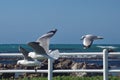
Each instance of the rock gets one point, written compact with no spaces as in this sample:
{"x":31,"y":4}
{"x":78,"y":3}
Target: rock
{"x":63,"y":64}
{"x":78,"y":66}
{"x":85,"y":66}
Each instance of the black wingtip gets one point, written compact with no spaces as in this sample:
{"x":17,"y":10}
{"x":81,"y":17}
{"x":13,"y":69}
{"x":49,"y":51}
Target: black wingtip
{"x":53,"y":31}
{"x":22,"y":50}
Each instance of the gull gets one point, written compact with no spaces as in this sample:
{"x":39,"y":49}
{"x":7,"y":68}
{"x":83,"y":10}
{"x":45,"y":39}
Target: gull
{"x":88,"y":40}
{"x":27,"y":61}
{"x":41,"y":46}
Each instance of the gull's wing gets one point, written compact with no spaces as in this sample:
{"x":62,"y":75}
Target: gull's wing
{"x":44,"y":39}
{"x":25,"y":53}
{"x":93,"y":37}
{"x":87,"y":42}
{"x":37,"y":48}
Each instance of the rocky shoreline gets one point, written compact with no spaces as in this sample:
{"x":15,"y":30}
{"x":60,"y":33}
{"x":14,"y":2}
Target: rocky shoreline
{"x":61,"y":63}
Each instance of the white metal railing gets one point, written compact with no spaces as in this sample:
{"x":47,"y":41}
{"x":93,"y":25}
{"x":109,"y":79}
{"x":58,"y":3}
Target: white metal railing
{"x":50,"y":70}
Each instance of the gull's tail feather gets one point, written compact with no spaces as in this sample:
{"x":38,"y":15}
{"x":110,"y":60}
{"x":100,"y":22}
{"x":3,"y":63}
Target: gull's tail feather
{"x":54,"y":54}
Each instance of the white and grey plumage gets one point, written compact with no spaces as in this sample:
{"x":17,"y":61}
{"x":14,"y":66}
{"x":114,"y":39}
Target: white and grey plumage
{"x":44,"y":40}
{"x":41,"y":46}
{"x":27,"y":61}
{"x":88,"y":40}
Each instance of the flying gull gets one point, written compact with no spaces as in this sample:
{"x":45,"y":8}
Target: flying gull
{"x":41,"y":46}
{"x":88,"y":40}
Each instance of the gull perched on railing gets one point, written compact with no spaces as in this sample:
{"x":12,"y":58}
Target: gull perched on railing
{"x":88,"y":40}
{"x":41,"y":46}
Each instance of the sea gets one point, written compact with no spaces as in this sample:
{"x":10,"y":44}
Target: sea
{"x":13,"y":48}
{"x":68,"y":48}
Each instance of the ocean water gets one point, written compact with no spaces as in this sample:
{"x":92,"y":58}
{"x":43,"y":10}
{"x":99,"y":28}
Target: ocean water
{"x":13,"y":48}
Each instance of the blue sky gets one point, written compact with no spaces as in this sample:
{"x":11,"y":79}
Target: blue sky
{"x":22,"y":21}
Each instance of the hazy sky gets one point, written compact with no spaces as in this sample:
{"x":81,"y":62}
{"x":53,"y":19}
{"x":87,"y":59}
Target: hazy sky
{"x":22,"y":21}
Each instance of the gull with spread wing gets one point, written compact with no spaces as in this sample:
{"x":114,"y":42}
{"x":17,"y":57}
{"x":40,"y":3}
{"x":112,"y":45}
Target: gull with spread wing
{"x":88,"y":40}
{"x":41,"y":46}
{"x":27,"y":61}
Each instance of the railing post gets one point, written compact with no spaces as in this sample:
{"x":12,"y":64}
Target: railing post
{"x":50,"y":69}
{"x":105,"y":64}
